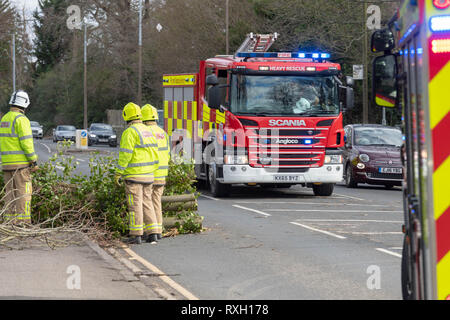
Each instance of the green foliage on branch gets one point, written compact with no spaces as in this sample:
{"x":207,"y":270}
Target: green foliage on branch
{"x":60,"y":192}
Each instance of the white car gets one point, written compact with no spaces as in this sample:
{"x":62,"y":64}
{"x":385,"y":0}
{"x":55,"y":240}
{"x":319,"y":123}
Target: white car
{"x":37,"y":130}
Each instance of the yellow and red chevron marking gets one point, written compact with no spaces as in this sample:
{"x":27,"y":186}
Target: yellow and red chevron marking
{"x":186,"y":115}
{"x":439,"y":103}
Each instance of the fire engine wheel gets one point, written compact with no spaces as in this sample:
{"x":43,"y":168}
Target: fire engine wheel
{"x":349,"y":180}
{"x":325,"y":189}
{"x":216,"y":188}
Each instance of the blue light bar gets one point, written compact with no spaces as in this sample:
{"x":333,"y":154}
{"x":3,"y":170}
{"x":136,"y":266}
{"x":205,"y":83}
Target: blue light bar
{"x":307,"y":141}
{"x":302,"y":55}
{"x":440,"y":23}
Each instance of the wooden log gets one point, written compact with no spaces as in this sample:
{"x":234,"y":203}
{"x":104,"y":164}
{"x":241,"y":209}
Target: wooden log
{"x":180,"y":206}
{"x":179,"y":198}
{"x":170,"y":222}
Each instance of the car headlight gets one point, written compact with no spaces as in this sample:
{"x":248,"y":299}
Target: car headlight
{"x":335,"y":158}
{"x":113,"y":137}
{"x":364,"y":157}
{"x":241,"y":159}
{"x":92,"y":135}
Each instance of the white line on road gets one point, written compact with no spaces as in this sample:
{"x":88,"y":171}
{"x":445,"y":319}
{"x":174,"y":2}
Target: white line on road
{"x":252,"y":210}
{"x":372,"y":233}
{"x":349,"y":220}
{"x":48,"y":148}
{"x":81,"y":160}
{"x":164,"y":278}
{"x":210,"y":198}
{"x":389,"y":252}
{"x":314,"y":203}
{"x":345,"y":196}
{"x":348,"y":211}
{"x":59,"y":167}
{"x":318,"y":230}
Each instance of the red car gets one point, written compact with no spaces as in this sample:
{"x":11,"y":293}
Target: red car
{"x":372,"y":155}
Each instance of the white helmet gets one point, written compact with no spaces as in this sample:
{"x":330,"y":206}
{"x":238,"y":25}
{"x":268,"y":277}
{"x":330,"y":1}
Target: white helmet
{"x":20,"y":99}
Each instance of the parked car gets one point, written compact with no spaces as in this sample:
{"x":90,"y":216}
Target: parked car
{"x":100,"y":133}
{"x":37,"y":130}
{"x":62,"y":133}
{"x":372,"y":155}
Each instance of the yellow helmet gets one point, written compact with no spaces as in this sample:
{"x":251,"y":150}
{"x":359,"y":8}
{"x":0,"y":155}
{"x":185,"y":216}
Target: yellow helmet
{"x":131,"y":112}
{"x":149,"y":113}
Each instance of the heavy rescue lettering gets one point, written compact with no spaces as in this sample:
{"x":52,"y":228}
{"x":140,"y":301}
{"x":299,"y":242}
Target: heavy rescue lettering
{"x":287,"y":123}
{"x":287,"y":68}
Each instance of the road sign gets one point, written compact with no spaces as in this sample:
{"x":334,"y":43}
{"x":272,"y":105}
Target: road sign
{"x":358,"y":72}
{"x":82,"y":139}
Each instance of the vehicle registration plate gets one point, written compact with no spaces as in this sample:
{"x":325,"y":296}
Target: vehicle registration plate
{"x":391,"y":170}
{"x":103,"y":140}
{"x":287,"y":178}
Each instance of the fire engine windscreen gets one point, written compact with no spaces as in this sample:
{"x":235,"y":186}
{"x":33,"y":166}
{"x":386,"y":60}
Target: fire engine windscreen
{"x":284,"y":95}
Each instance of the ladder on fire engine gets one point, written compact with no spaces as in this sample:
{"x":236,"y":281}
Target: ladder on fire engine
{"x":257,"y":42}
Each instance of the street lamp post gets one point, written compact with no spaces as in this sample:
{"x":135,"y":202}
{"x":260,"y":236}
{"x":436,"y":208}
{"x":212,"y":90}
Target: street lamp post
{"x":140,"y":55}
{"x":14,"y":61}
{"x":85,"y":118}
{"x":227,"y":18}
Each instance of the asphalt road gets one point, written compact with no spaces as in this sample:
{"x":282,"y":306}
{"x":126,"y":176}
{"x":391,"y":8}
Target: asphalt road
{"x":289,"y":244}
{"x":283,"y":243}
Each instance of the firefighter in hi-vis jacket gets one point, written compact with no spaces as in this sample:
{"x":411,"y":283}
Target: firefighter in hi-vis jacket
{"x":150,"y":118}
{"x":19,"y":159}
{"x":138,"y":160}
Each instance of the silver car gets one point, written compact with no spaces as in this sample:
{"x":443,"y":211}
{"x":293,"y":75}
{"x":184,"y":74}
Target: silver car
{"x":36,"y":128}
{"x":62,"y":133}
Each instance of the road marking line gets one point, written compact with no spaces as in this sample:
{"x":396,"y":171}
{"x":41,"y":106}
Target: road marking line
{"x":59,"y":167}
{"x":318,"y":230}
{"x":345,"y":196}
{"x":164,"y":278}
{"x":315,"y":210}
{"x":349,"y":220}
{"x":314,"y":203}
{"x":210,"y":198}
{"x":372,"y":233}
{"x":81,"y":160}
{"x":48,"y":148}
{"x":389,"y":252}
{"x":252,"y":210}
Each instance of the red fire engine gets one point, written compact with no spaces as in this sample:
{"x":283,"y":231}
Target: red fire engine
{"x":261,"y":118}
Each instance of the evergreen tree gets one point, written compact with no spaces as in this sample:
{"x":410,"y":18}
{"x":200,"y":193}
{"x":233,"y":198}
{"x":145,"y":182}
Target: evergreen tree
{"x":53,"y":38}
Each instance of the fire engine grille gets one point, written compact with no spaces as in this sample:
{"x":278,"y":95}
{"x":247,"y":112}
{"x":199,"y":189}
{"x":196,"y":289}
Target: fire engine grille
{"x":287,"y":133}
{"x":287,"y":170}
{"x":287,"y":148}
{"x":285,"y":157}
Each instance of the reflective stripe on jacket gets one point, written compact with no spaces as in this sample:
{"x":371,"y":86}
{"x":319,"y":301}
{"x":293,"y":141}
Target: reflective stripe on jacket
{"x":164,"y":153}
{"x":16,"y":141}
{"x":138,"y":154}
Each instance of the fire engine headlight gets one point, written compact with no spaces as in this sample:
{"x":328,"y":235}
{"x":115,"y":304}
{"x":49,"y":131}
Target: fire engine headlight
{"x":333,"y":159}
{"x":233,"y":159}
{"x":364,"y":157}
